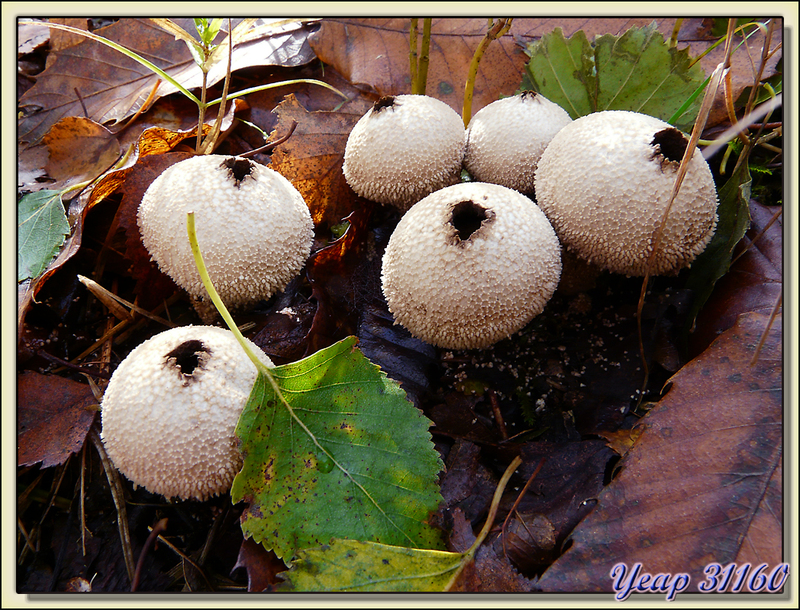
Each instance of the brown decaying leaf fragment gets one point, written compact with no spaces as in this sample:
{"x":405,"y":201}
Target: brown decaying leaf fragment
{"x":262,"y":566}
{"x":79,"y":150}
{"x":312,"y":158}
{"x":703,"y":482}
{"x":54,"y":415}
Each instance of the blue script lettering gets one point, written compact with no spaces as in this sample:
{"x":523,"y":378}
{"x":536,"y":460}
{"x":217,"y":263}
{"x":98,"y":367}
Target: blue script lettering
{"x":635,"y":580}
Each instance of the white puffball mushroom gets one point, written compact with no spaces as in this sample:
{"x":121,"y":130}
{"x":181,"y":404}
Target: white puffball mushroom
{"x":253,"y":227}
{"x":404,"y":148}
{"x":604,"y":182}
{"x":505,"y":139}
{"x":469,"y":265}
{"x":171,"y":407}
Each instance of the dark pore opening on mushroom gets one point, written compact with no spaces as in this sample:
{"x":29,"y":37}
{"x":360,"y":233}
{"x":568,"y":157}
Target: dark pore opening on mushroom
{"x":387,"y":101}
{"x":238,"y":169}
{"x":468,"y":217}
{"x":529,"y":96}
{"x":670,"y":143}
{"x":187,"y":357}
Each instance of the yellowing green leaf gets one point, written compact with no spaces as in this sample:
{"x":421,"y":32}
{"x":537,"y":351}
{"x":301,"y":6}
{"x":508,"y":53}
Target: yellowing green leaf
{"x":345,"y":456}
{"x":356,"y":566}
{"x":41,"y":229}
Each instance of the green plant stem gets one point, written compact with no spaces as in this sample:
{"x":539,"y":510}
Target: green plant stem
{"x":487,"y":526}
{"x":495,"y":31}
{"x":127,"y":52}
{"x":201,"y":111}
{"x":260,"y":366}
{"x":211,"y":140}
{"x":412,"y":55}
{"x":424,"y":57}
{"x":282,"y":83}
{"x":673,"y":40}
{"x":216,"y":299}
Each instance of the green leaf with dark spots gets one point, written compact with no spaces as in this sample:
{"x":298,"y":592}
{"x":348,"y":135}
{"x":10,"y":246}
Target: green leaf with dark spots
{"x":345,"y":456}
{"x":41,"y":230}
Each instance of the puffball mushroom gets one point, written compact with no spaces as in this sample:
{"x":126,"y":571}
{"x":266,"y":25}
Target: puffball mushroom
{"x":403,"y":148}
{"x":505,"y":139}
{"x":253,"y":227}
{"x":171,"y":407}
{"x":604,"y":182}
{"x":470,"y":265}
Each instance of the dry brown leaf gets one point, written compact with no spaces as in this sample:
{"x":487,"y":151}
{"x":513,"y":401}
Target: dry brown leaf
{"x":53,"y":417}
{"x":311,"y":159}
{"x":114,"y":87}
{"x":79,"y":150}
{"x":153,"y":141}
{"x":754,"y":282}
{"x":702,"y":484}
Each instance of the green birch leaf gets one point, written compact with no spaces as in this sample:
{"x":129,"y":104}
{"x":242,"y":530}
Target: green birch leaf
{"x":346,"y":456}
{"x":563,"y":71}
{"x":41,"y":231}
{"x":635,"y":71}
{"x":353,"y":566}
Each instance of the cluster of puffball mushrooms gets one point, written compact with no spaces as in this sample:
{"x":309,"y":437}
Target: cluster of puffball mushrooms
{"x":469,"y":263}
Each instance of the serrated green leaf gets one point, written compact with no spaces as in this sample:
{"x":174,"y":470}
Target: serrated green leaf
{"x":636,"y":71}
{"x":347,"y":456}
{"x":563,"y":71}
{"x":356,"y":566}
{"x":41,"y":230}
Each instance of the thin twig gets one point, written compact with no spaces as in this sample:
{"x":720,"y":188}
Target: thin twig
{"x":496,"y":30}
{"x":487,"y":526}
{"x":119,"y":501}
{"x":763,"y":338}
{"x":161,"y":526}
{"x":758,"y":235}
{"x":270,"y":146}
{"x":498,"y":415}
{"x":702,"y":116}
{"x":424,"y":57}
{"x":80,"y":99}
{"x":516,"y":503}
{"x":412,"y":55}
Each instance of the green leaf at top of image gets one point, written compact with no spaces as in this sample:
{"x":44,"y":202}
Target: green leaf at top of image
{"x":345,"y":456}
{"x":350,"y":566}
{"x":563,"y":71}
{"x":41,"y":230}
{"x":636,"y":71}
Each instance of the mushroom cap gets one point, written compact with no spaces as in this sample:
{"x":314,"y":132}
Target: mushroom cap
{"x":253,"y":227}
{"x":605,"y":180}
{"x":404,"y":148}
{"x":505,"y":139}
{"x":171,"y":408}
{"x":470,"y":265}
